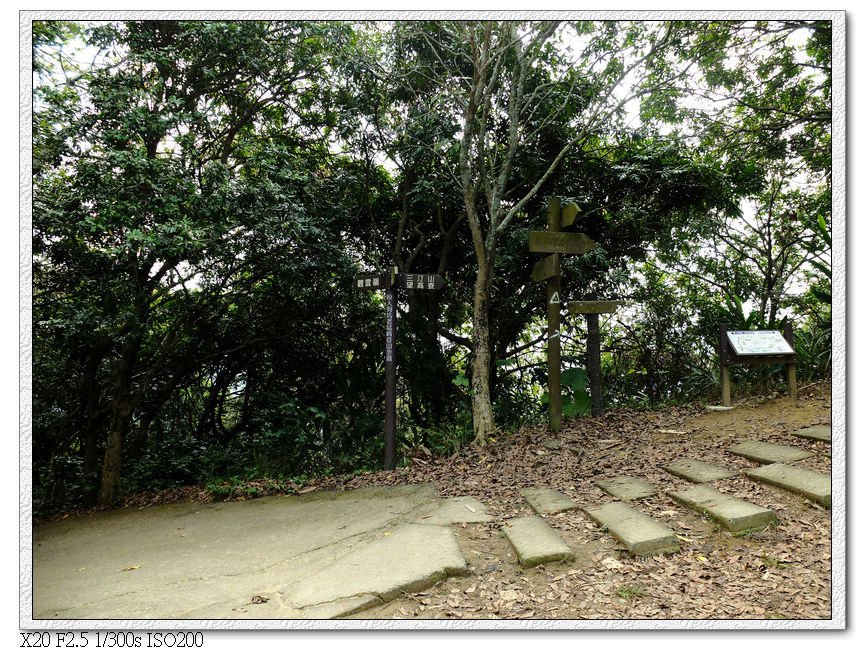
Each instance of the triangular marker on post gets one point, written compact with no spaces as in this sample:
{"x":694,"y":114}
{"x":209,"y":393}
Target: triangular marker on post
{"x":555,"y":299}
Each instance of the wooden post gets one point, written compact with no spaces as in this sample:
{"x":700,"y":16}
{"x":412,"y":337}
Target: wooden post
{"x":554,"y":314}
{"x":390,"y":373}
{"x":593,"y":362}
{"x":591,"y":310}
{"x":792,"y":388}
{"x":725,"y":368}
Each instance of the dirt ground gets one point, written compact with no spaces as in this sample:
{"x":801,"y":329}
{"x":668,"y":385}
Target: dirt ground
{"x":782,"y":572}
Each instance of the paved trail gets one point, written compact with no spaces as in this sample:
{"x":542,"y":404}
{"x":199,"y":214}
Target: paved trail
{"x":313,"y":556}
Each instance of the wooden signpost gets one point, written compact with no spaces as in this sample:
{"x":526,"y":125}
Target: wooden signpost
{"x":591,"y":309}
{"x":556,"y":242}
{"x":390,"y":282}
{"x":753,"y":347}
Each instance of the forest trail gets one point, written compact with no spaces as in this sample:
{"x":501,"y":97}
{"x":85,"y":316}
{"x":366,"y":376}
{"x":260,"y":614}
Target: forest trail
{"x":441,"y":538}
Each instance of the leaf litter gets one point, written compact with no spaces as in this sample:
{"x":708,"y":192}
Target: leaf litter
{"x":780,"y":572}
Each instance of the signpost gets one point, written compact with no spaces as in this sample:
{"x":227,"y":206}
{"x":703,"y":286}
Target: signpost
{"x":390,"y":282}
{"x":554,"y":241}
{"x":753,"y":347}
{"x":591,"y":309}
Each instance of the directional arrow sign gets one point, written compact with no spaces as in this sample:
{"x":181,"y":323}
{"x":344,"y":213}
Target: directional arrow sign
{"x":419,"y":281}
{"x":545,"y":241}
{"x":569,"y":214}
{"x":545,"y":269}
{"x":594,"y":306}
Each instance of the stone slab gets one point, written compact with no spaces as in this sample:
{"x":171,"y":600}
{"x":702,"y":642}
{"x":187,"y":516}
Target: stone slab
{"x":641,"y":534}
{"x":627,"y":488}
{"x":410,"y":558}
{"x":458,"y":510}
{"x":334,"y":552}
{"x":767,"y":452}
{"x":736,"y":515}
{"x":546,"y":501}
{"x":813,"y":485}
{"x":535,"y":542}
{"x":697,"y":471}
{"x":823,"y":433}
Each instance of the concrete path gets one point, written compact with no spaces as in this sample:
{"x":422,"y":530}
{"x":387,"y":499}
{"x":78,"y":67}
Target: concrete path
{"x":319,"y":555}
{"x":813,"y":485}
{"x":767,"y":452}
{"x":641,"y":534}
{"x":697,"y":471}
{"x":823,"y":433}
{"x":736,"y":515}
{"x":535,"y":542}
{"x":546,"y":501}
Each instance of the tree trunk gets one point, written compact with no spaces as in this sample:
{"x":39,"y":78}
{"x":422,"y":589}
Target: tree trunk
{"x":93,"y":414}
{"x":121,"y":413}
{"x":113,"y":462}
{"x":482,"y":408}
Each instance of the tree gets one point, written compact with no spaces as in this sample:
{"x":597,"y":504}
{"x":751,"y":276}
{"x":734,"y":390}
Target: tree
{"x":170,"y":174}
{"x":764,"y":111}
{"x":511,"y":84}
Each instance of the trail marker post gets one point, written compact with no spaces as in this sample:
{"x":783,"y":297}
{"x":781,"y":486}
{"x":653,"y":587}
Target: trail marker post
{"x":590,"y":309}
{"x":390,"y":282}
{"x":556,"y":242}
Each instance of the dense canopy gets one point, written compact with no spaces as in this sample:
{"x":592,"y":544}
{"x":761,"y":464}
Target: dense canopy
{"x":204,"y":193}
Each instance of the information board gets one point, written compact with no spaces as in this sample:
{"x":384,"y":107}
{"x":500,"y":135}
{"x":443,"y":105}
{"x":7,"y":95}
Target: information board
{"x":754,"y":342}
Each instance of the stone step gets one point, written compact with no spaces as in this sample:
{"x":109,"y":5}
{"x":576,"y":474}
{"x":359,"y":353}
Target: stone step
{"x":697,"y":471}
{"x":736,"y":515}
{"x":823,"y":433}
{"x":627,"y":488}
{"x":535,"y":542}
{"x":767,"y":452}
{"x":546,"y":501}
{"x":813,"y":485}
{"x":641,"y":534}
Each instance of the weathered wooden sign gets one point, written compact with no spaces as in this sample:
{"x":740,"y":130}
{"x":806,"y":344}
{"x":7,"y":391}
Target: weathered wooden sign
{"x":556,"y":242}
{"x":390,"y":282}
{"x":594,"y":306}
{"x":551,"y":241}
{"x":754,"y":347}
{"x":569,"y":214}
{"x":547,"y":268}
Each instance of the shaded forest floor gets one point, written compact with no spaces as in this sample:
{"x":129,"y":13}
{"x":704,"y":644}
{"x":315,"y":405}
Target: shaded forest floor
{"x":781,"y":572}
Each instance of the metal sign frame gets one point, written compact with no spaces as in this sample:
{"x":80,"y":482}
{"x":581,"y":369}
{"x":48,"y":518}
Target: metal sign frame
{"x":390,"y":282}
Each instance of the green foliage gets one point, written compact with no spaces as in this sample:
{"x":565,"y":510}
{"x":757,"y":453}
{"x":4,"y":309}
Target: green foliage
{"x":575,"y":395}
{"x":205,"y":191}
